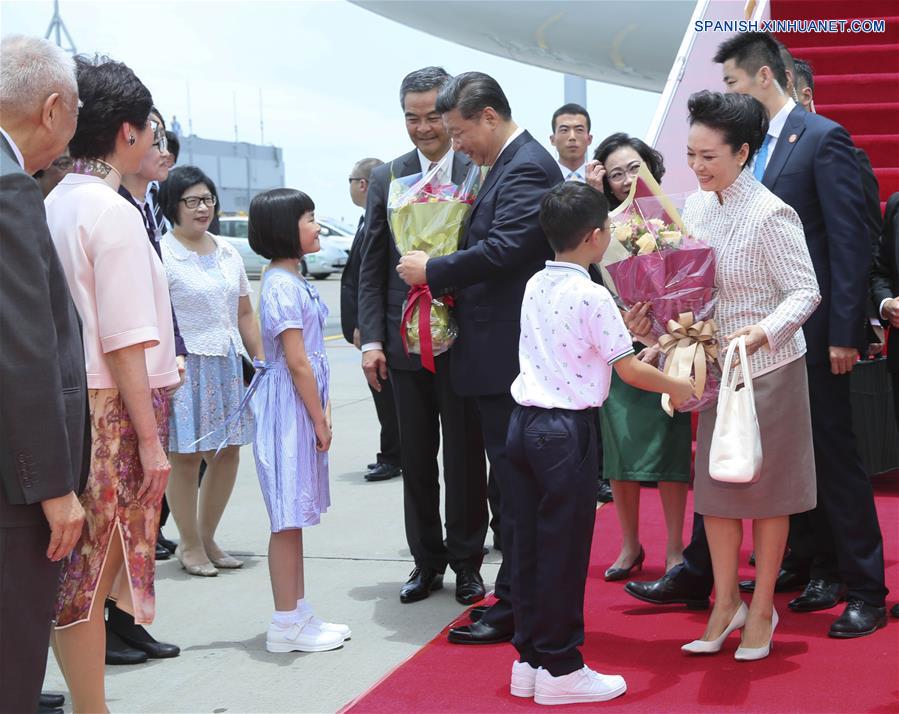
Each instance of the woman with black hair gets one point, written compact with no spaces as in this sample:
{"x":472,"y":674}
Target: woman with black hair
{"x":641,"y":444}
{"x":211,"y":295}
{"x":120,"y":289}
{"x":766,"y":290}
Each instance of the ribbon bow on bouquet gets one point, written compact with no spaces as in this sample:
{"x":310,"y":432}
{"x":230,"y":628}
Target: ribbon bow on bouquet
{"x":425,"y":316}
{"x":687,"y":346}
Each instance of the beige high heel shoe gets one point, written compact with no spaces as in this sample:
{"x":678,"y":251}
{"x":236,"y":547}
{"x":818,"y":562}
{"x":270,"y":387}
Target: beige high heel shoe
{"x":748,"y":654}
{"x":713,"y":646}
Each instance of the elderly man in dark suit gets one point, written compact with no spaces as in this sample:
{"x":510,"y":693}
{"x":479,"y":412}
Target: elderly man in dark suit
{"x":387,"y":462}
{"x":426,"y":402}
{"x":44,"y":431}
{"x":502,"y":248}
{"x":808,"y":161}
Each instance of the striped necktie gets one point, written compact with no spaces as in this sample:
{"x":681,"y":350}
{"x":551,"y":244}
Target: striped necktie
{"x":158,"y":217}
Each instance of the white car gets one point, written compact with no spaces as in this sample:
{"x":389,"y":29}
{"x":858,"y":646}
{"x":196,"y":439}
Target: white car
{"x":330,"y":259}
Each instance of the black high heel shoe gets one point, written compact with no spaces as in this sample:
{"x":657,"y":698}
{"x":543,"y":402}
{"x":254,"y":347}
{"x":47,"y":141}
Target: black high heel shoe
{"x":622,"y":573}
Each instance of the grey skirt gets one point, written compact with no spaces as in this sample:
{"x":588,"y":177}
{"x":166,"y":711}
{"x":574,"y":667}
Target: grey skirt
{"x":787,"y":482}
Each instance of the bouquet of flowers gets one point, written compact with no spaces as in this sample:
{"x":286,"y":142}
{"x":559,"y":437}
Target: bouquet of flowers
{"x":651,"y":258}
{"x":428,"y":216}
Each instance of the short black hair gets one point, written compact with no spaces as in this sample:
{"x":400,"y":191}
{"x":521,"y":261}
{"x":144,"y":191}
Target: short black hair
{"x":274,"y":220}
{"x":423,"y":80}
{"x":111,"y":95}
{"x":740,"y":118}
{"x":570,"y":108}
{"x":569,"y":211}
{"x":805,"y":72}
{"x":653,"y":159}
{"x":471,"y":93}
{"x":173,"y":143}
{"x":751,"y":51}
{"x":172,"y":189}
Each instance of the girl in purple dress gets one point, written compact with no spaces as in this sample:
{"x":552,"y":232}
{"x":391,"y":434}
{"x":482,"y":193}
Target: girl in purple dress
{"x":293,"y":412}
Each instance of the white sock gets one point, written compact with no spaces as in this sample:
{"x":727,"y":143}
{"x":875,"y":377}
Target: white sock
{"x":303,"y":606}
{"x":284,"y":619}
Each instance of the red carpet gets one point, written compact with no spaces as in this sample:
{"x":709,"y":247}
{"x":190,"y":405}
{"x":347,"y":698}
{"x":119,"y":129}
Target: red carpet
{"x":806,"y":672}
{"x":856,"y":75}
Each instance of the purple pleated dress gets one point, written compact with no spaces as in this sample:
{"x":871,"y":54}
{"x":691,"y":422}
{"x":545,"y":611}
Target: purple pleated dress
{"x":292,"y":474}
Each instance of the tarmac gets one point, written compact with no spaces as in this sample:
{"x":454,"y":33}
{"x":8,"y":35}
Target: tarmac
{"x":356,"y":561}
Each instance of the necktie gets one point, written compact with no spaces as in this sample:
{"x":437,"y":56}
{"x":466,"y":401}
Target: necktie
{"x":150,"y":221}
{"x":574,"y":176}
{"x":158,"y":218}
{"x":761,"y":159}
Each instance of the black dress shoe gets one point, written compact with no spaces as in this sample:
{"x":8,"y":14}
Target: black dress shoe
{"x":137,"y":636}
{"x":604,"y":492}
{"x":894,"y":611}
{"x":667,"y":591}
{"x":858,"y":619}
{"x":52,"y":701}
{"x":169,"y":545}
{"x":421,"y":582}
{"x":118,"y":652}
{"x":41,"y":709}
{"x":382,"y":472}
{"x":818,"y":595}
{"x":369,"y":467}
{"x":476,"y":613}
{"x":478,"y":633}
{"x":162,"y":553}
{"x":469,"y":586}
{"x":787,"y":581}
{"x":622,"y":573}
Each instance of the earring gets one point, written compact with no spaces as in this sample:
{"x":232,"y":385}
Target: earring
{"x":131,"y":140}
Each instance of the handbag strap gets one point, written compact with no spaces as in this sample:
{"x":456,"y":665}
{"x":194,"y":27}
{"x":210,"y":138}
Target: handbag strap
{"x":746,"y":367}
{"x":726,"y":381}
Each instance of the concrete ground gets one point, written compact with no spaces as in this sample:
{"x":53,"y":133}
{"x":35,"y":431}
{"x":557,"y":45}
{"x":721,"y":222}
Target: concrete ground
{"x":356,"y":561}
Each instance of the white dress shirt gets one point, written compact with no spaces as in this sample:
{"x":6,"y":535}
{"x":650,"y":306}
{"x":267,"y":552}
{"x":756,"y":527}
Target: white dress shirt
{"x":15,"y":149}
{"x":515,"y":134}
{"x":775,"y":126}
{"x":571,"y":335}
{"x":444,"y":167}
{"x":579,"y":174}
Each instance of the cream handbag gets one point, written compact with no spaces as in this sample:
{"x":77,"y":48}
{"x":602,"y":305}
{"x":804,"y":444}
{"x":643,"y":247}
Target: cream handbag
{"x":736,"y":452}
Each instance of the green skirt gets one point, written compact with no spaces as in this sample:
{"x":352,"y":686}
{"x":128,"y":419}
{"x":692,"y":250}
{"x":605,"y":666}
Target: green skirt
{"x":640,"y":442}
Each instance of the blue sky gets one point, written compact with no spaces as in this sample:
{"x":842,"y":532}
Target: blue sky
{"x":329,"y":74}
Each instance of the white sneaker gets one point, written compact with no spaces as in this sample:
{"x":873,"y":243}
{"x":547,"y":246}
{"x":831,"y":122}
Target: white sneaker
{"x":301,"y":637}
{"x":583,"y":685}
{"x":523,"y":678}
{"x":341,"y":630}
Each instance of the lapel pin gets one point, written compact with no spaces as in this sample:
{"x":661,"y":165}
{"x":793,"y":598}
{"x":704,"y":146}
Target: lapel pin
{"x":792,"y":138}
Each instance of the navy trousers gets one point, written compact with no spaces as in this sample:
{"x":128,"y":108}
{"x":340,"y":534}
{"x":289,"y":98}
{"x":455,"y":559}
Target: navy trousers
{"x":553,"y":454}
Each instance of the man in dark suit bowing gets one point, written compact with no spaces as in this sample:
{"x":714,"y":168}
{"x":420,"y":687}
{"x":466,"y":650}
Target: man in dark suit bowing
{"x":44,"y":426}
{"x":387,"y":462}
{"x":808,"y":161}
{"x":502,"y":248}
{"x":426,"y":401}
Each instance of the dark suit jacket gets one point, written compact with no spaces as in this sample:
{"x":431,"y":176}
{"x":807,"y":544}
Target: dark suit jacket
{"x":502,"y":248}
{"x":349,"y":285}
{"x":44,"y":428}
{"x":381,"y":291}
{"x":818,"y":175}
{"x":885,"y":273}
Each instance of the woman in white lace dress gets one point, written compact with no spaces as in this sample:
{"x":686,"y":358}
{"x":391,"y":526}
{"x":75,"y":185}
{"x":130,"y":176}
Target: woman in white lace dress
{"x":211,"y":296}
{"x":766,"y":290}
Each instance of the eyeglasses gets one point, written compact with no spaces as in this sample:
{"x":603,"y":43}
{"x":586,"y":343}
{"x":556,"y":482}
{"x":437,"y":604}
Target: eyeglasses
{"x":159,"y":138}
{"x":355,"y":178}
{"x":617,"y":176}
{"x":194,"y":201}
